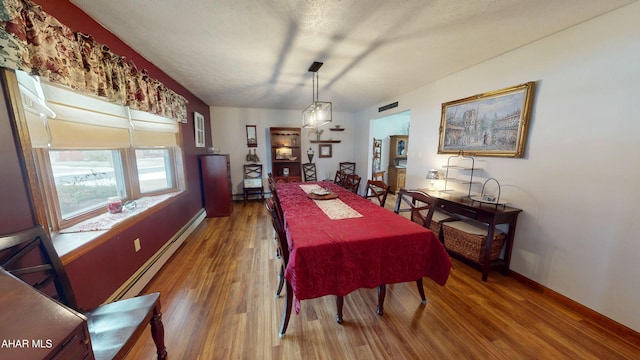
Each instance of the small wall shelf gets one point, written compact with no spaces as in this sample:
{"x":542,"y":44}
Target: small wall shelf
{"x":325,"y":141}
{"x":336,"y":129}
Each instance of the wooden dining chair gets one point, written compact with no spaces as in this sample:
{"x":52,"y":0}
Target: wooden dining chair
{"x":273,"y":209}
{"x":347,"y":167}
{"x":421,"y":206}
{"x":340,"y":178}
{"x":252,"y":181}
{"x":378,"y":190}
{"x":309,"y":172}
{"x":378,"y":175}
{"x":114,"y":327}
{"x":352,"y":183}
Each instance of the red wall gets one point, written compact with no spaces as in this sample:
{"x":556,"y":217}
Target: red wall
{"x":97,"y":274}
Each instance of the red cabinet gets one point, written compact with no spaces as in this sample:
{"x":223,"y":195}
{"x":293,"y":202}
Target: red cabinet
{"x":215,"y":170}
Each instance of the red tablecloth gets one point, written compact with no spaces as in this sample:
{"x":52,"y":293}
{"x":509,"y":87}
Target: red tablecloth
{"x":336,"y":257}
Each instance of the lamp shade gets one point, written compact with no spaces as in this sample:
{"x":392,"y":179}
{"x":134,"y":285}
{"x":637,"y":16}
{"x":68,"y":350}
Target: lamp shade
{"x":317,"y":114}
{"x":433,"y":174}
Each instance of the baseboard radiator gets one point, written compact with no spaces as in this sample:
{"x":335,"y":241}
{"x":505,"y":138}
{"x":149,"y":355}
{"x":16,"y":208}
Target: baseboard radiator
{"x":134,"y":285}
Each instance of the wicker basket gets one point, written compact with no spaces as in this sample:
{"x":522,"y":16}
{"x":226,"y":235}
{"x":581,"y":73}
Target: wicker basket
{"x":436,"y":222}
{"x":468,"y":239}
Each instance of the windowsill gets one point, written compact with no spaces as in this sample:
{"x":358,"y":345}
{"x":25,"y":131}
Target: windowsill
{"x":74,"y":241}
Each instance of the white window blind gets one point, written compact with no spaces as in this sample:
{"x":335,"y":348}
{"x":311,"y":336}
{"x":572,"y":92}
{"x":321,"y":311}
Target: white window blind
{"x":59,"y":118}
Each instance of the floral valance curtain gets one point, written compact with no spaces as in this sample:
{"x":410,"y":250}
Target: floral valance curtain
{"x":35,"y":42}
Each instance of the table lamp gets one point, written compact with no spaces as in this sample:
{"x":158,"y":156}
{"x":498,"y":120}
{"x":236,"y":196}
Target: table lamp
{"x":433,"y":176}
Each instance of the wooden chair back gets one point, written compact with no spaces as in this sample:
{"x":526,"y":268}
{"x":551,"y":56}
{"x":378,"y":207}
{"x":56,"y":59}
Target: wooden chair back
{"x":340,"y":178}
{"x":30,"y":256}
{"x":252,"y":181}
{"x":421,"y":206}
{"x":377,"y":189}
{"x":352,"y":182}
{"x":113,"y":328}
{"x":309,"y":172}
{"x":273,"y":207}
{"x":347,"y":167}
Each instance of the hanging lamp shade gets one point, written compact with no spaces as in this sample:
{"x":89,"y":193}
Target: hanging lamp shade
{"x":319,"y":112}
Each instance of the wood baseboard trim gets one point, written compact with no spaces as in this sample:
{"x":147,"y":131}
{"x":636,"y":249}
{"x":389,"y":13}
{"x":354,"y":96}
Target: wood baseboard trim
{"x":604,"y":322}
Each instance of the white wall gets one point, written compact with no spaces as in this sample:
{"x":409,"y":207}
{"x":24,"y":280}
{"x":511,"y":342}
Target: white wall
{"x":579,"y":181}
{"x":228,"y":133}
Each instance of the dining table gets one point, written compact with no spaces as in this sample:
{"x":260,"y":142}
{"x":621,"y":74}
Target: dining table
{"x":341,"y":242}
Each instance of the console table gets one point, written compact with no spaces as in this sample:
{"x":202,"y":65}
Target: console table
{"x":489,"y":214}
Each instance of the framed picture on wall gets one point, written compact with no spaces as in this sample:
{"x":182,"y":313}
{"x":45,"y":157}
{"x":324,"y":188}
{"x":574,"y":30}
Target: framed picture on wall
{"x":252,"y":140}
{"x":489,"y":124}
{"x":198,"y":125}
{"x":324,"y":150}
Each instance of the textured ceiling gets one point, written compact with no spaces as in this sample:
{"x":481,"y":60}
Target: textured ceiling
{"x":255,"y":53}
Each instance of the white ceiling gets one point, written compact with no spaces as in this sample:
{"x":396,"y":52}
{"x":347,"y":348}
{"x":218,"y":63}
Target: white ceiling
{"x":255,"y":53}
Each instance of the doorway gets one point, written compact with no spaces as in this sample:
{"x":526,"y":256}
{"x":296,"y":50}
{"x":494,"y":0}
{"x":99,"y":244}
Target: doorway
{"x":381,"y":129}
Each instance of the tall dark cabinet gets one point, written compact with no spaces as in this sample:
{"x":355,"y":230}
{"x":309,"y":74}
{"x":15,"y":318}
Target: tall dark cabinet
{"x":216,"y":184}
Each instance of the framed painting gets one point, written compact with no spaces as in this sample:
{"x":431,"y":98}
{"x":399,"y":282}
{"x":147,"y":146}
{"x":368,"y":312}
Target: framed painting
{"x":489,"y":124}
{"x":198,"y":125}
{"x":324,"y":150}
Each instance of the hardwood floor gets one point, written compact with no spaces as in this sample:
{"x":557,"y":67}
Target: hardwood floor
{"x":218,"y":302}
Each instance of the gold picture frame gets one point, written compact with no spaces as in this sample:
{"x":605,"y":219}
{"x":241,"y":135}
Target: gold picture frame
{"x":488,"y":124}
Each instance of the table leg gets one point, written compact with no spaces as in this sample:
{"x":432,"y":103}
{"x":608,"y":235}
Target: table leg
{"x":382,"y":292}
{"x":509,"y":247}
{"x":339,"y":303}
{"x":421,"y":290}
{"x":487,"y":251}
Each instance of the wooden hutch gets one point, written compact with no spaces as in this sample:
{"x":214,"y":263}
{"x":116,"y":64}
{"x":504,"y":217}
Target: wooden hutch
{"x":397,"y":162}
{"x":285,"y":154}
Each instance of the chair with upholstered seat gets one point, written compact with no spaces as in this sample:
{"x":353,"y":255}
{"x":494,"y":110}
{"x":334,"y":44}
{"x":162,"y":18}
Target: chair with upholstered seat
{"x":377,"y":190}
{"x":114,"y":327}
{"x":421,"y":206}
{"x":347,"y":167}
{"x":352,"y":183}
{"x":309,"y":172}
{"x":252,"y":181}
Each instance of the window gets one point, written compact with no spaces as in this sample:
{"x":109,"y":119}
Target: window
{"x":154,"y":170}
{"x":84,"y":179}
{"x":88,"y":150}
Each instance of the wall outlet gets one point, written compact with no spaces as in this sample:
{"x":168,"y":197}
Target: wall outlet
{"x":136,"y":244}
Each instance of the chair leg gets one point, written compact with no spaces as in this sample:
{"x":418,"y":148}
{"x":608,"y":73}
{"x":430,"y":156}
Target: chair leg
{"x":339,"y":303}
{"x":287,"y":310}
{"x":281,"y":283}
{"x":382,"y":292}
{"x":421,"y":290}
{"x":157,"y":333}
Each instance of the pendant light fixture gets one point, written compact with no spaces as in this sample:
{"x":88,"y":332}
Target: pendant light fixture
{"x":319,"y":112}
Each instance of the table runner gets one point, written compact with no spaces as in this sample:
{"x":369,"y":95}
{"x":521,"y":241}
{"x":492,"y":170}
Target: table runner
{"x":335,"y":209}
